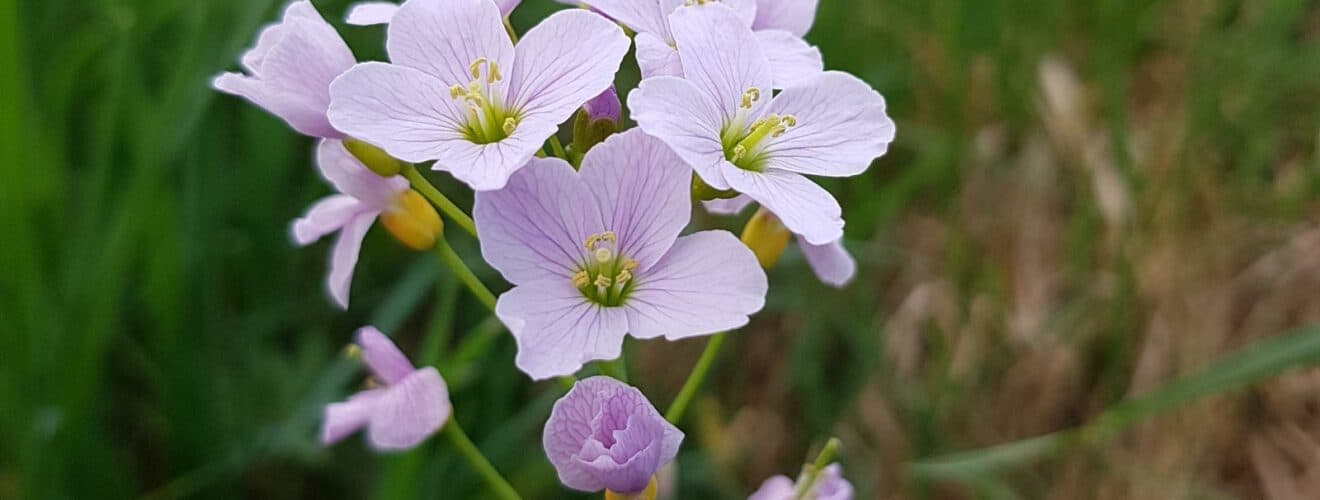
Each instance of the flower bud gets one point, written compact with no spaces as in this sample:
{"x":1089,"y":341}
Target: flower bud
{"x":597,"y":120}
{"x":766,"y":236}
{"x":704,"y":192}
{"x":373,"y":157}
{"x":646,"y":494}
{"x":413,"y":221}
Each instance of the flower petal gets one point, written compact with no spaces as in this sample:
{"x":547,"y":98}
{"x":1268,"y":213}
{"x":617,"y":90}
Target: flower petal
{"x":831,"y":262}
{"x":641,"y":16}
{"x":655,"y":57}
{"x":804,"y":207}
{"x":775,"y":488}
{"x":409,"y":411}
{"x":557,"y":329}
{"x":444,"y":37}
{"x":731,"y":206}
{"x":382,"y":356}
{"x":487,"y":167}
{"x":351,"y":177}
{"x":563,"y":62}
{"x":709,"y":282}
{"x":794,"y":16}
{"x":507,"y":6}
{"x":841,"y":126}
{"x":341,"y":419}
{"x":345,"y":255}
{"x":721,"y":57}
{"x":401,"y":110}
{"x":534,"y":229}
{"x":791,"y":58}
{"x":633,"y":472}
{"x":326,"y":216}
{"x":643,"y":191}
{"x":371,"y":13}
{"x":676,"y":112}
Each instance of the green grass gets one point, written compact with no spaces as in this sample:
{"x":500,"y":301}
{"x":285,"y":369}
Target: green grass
{"x":163,"y":337}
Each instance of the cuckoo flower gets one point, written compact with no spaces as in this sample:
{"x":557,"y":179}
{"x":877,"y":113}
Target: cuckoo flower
{"x":596,"y":254}
{"x":363,"y":196}
{"x":604,"y":435}
{"x":373,"y":13}
{"x":831,"y":262}
{"x":290,"y":70}
{"x":460,"y":93}
{"x":829,"y":485}
{"x":407,"y":407}
{"x":725,"y":122}
{"x":779,"y":26}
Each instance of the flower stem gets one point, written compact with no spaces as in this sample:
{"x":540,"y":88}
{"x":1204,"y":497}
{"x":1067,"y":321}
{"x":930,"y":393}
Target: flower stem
{"x":465,"y":274}
{"x":558,"y":148}
{"x":437,"y":198}
{"x":812,"y":472}
{"x":474,"y":457}
{"x":680,"y":404}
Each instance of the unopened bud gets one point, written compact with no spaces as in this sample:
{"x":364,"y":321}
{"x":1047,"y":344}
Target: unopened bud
{"x":596,"y":121}
{"x":374,"y":158}
{"x":766,"y":236}
{"x":646,"y":494}
{"x":413,"y":221}
{"x":704,"y":192}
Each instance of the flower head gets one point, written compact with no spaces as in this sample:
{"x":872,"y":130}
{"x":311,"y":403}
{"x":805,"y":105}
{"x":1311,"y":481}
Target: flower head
{"x":373,"y":13}
{"x":829,"y":485}
{"x":605,"y":435}
{"x":363,"y":196}
{"x":831,"y":262}
{"x":596,"y":254}
{"x":290,"y":70}
{"x":724,"y":121}
{"x":459,"y":92}
{"x":408,"y":406}
{"x":778,"y":25}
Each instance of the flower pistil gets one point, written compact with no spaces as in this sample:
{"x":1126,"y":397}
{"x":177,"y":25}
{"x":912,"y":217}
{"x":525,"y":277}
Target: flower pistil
{"x":488,"y":121}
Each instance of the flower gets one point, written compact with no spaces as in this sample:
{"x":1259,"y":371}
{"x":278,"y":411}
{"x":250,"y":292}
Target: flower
{"x":778,"y":25}
{"x":605,"y":106}
{"x":411,"y":405}
{"x":290,"y":70}
{"x":831,"y":262}
{"x":605,"y":435}
{"x":363,"y":196}
{"x":596,"y":254}
{"x":460,"y":93}
{"x":373,"y":13}
{"x":724,"y":122}
{"x":829,"y":485}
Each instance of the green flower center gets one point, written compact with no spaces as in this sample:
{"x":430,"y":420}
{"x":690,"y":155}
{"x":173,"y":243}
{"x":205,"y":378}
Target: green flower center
{"x":744,"y":146}
{"x":488,"y":120}
{"x":606,"y":276}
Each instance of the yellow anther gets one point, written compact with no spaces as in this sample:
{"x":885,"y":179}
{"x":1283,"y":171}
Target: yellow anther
{"x":609,"y":236}
{"x":581,"y":279}
{"x":510,"y":125}
{"x":494,"y":75}
{"x":475,"y":68}
{"x":352,"y":351}
{"x":623,"y":277}
{"x":602,"y":280}
{"x":750,"y":96}
{"x":738,"y":152}
{"x":457,"y":91}
{"x":591,"y":241}
{"x":789,"y":120}
{"x":629,"y":264}
{"x":603,"y":255}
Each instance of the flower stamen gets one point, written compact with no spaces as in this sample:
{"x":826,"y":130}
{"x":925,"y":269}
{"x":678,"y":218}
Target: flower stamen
{"x":606,"y":276}
{"x":487,"y":119}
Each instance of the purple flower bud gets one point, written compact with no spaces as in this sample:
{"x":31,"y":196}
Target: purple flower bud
{"x":605,"y":435}
{"x":829,"y":485}
{"x":605,"y":106}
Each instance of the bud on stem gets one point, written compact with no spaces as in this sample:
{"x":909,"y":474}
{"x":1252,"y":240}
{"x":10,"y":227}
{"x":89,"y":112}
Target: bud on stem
{"x":374,"y":158}
{"x":646,"y":494}
{"x":766,"y":236}
{"x":413,"y":221}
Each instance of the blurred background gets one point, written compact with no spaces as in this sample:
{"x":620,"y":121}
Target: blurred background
{"x":1087,"y":199}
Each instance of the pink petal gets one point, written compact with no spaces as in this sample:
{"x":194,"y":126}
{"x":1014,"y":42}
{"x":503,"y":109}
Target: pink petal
{"x":444,"y":37}
{"x":558,"y":330}
{"x":794,"y":16}
{"x":351,"y":177}
{"x":345,"y":255}
{"x":841,"y":127}
{"x":563,"y":62}
{"x":641,"y":16}
{"x":709,"y":282}
{"x":371,"y":13}
{"x":535,"y":228}
{"x":408,"y":412}
{"x":804,"y":207}
{"x":382,"y":356}
{"x":326,"y":216}
{"x":831,"y":262}
{"x":775,"y":488}
{"x":342,"y":419}
{"x":676,"y":112}
{"x":721,"y":57}
{"x":791,"y":58}
{"x":643,"y":190}
{"x":404,"y":111}
{"x":507,"y":6}
{"x":655,"y":57}
{"x":487,"y":167}
{"x":731,"y":206}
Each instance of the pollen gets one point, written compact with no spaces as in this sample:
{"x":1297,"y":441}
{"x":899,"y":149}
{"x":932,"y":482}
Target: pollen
{"x":749,"y":96}
{"x":580,"y":279}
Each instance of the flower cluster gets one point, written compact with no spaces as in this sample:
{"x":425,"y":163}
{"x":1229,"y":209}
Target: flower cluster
{"x":735,"y":108}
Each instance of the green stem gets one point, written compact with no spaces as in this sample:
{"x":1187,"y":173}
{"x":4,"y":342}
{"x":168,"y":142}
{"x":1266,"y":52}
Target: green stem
{"x":437,"y":198}
{"x":810,"y":475}
{"x":680,"y":404}
{"x":478,"y":461}
{"x":558,"y":148}
{"x":616,"y":369}
{"x":465,"y":274}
